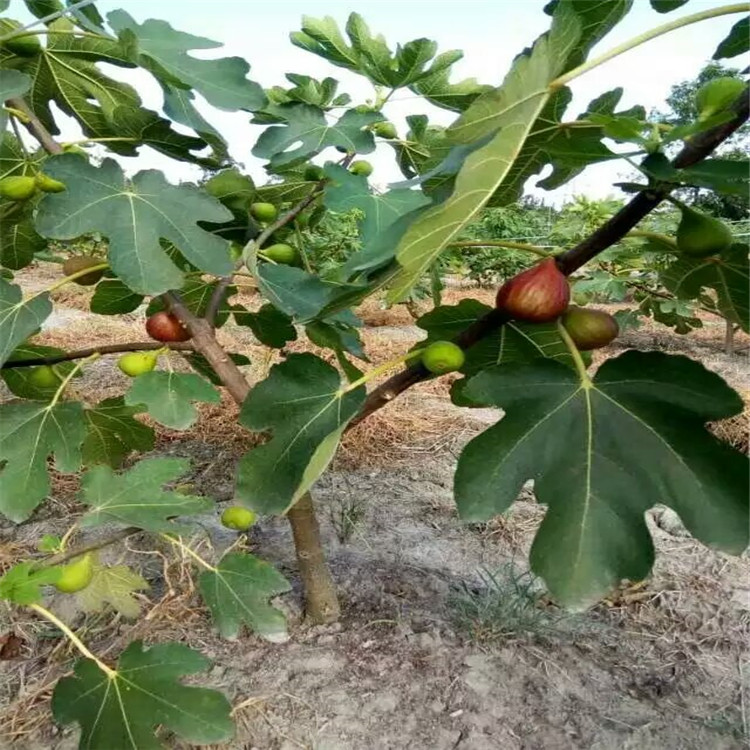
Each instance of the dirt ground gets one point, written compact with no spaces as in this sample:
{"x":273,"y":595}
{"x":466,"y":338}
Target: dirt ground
{"x":446,"y":642}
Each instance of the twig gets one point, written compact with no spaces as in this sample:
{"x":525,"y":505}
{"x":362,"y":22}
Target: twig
{"x":62,"y":557}
{"x":36,"y":127}
{"x":135,"y":346}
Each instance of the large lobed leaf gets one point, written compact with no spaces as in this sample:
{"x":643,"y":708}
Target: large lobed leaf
{"x":237,"y":591}
{"x":19,"y":318}
{"x":123,"y":710}
{"x":635,"y":436}
{"x":30,"y":432}
{"x":135,"y":214}
{"x":135,"y":497}
{"x":303,"y":404}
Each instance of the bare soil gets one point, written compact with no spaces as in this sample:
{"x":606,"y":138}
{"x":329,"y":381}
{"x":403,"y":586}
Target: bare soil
{"x":659,"y":666}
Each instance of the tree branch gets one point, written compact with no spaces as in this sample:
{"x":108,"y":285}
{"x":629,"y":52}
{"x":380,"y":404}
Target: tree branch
{"x":697,"y":149}
{"x":136,"y":346}
{"x":35,"y":127}
{"x":63,"y":557}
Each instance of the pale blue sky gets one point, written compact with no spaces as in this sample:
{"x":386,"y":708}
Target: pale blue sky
{"x":489,"y":32}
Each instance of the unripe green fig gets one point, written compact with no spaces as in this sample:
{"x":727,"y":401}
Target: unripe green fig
{"x":282,"y":253}
{"x":238,"y":518}
{"x":361,"y":167}
{"x":17,"y":188}
{"x":537,"y":295}
{"x":76,"y":575}
{"x":265,"y":212}
{"x":43,"y":377}
{"x":24,"y":45}
{"x":48,"y":184}
{"x":385,"y":129}
{"x":314,"y":173}
{"x":443,"y":356}
{"x":134,"y":364}
{"x":590,"y":329}
{"x":235,"y":251}
{"x":78,"y":263}
{"x":716,"y":95}
{"x":700,"y":235}
{"x":163,"y":326}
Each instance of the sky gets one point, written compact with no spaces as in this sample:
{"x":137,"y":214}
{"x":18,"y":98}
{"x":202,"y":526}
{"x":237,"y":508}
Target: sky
{"x":490,"y":32}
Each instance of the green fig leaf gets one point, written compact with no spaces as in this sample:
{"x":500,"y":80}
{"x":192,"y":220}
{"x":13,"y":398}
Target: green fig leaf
{"x":134,"y":214}
{"x":302,"y":402}
{"x":19,"y":240}
{"x":19,"y":317}
{"x":123,"y":709}
{"x":30,"y":432}
{"x":135,"y":497}
{"x":237,"y":591}
{"x":168,"y":396}
{"x":112,"y":297}
{"x":270,"y":326}
{"x":113,"y":433}
{"x":737,"y":41}
{"x":21,"y":584}
{"x":633,"y":438}
{"x":113,"y":586}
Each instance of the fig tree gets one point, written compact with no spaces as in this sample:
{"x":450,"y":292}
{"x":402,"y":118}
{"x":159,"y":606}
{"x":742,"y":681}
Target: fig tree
{"x":282,"y":253}
{"x":700,"y":235}
{"x":265,"y":212}
{"x":537,"y":295}
{"x":43,"y":377}
{"x":77,"y":263}
{"x":76,"y":575}
{"x":163,"y":326}
{"x":134,"y":364}
{"x":17,"y":188}
{"x":361,"y":167}
{"x":238,"y":518}
{"x":441,"y":357}
{"x":590,"y":329}
{"x":48,"y":184}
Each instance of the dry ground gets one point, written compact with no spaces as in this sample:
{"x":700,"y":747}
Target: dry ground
{"x":433,"y":652}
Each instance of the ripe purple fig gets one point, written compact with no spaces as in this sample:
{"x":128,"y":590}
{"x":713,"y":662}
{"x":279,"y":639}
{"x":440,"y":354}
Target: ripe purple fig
{"x":590,"y":329}
{"x":537,"y":295}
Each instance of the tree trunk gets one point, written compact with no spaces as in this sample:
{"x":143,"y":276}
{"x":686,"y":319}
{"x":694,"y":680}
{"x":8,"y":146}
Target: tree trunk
{"x":321,"y":602}
{"x":729,"y":338}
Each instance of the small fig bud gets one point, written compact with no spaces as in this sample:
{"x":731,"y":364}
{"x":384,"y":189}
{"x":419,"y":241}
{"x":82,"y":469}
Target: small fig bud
{"x":441,"y":357}
{"x":590,"y":329}
{"x":717,"y":95}
{"x":48,"y":184}
{"x":537,"y":295}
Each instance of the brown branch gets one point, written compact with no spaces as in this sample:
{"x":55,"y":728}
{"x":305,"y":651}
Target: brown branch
{"x":697,"y":149}
{"x":135,"y":346}
{"x":35,"y":127}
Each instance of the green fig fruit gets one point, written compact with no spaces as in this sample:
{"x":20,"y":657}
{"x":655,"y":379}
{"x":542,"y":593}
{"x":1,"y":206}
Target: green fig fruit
{"x":76,"y":575}
{"x":282,"y":253}
{"x":24,"y":45}
{"x":43,"y":377}
{"x":385,"y":129}
{"x":17,"y":188}
{"x":235,"y":251}
{"x":77,"y":263}
{"x":314,"y":173}
{"x":265,"y":212}
{"x":48,"y":184}
{"x":700,"y":235}
{"x":441,"y":357}
{"x":589,"y":329}
{"x":238,"y":518}
{"x":716,"y":95}
{"x":134,"y":364}
{"x":361,"y":167}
